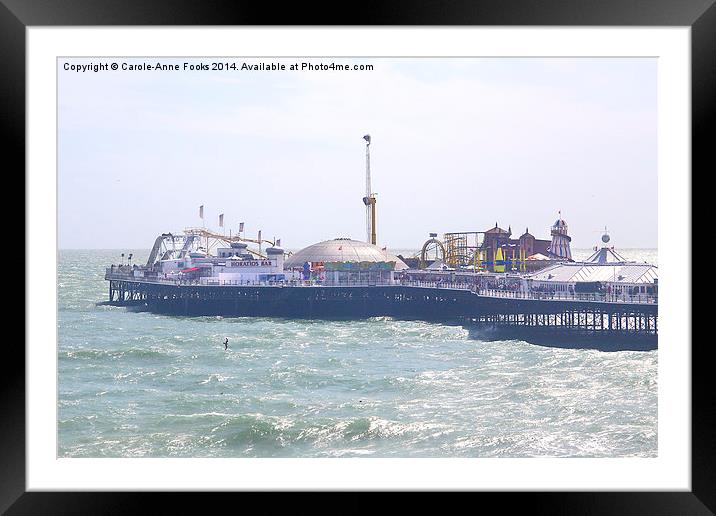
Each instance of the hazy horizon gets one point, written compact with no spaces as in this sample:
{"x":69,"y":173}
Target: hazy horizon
{"x":457,"y":145}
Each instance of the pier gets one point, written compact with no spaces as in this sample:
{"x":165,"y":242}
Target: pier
{"x":589,"y":315}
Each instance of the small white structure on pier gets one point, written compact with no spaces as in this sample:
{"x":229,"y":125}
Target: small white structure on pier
{"x":615,"y":278}
{"x":236,"y":249}
{"x":242,"y":268}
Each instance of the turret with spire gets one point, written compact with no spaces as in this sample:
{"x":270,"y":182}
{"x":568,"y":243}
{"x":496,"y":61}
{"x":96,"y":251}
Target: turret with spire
{"x":559,"y":249}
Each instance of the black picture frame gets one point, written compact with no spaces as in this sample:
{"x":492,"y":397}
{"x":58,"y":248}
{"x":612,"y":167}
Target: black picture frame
{"x":700,"y":15}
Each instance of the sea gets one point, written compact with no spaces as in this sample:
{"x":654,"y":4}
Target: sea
{"x":137,"y":384}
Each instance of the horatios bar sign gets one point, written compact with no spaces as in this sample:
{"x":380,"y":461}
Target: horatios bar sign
{"x":250,"y":263}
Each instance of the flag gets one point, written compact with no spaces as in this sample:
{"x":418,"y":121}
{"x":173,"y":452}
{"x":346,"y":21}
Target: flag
{"x":201,"y":211}
{"x":221,"y":220}
{"x":278,"y":243}
{"x":241,"y":227}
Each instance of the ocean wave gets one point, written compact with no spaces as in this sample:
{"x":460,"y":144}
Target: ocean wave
{"x":215,"y":378}
{"x":114,"y":354}
{"x":198,"y":415}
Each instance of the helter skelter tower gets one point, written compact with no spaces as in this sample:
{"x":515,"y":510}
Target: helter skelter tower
{"x":369,"y":199}
{"x":560,"y":246}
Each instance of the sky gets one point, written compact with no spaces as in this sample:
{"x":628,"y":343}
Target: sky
{"x":457,"y":145}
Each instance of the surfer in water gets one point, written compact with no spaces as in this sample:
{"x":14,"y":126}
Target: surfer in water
{"x":226,"y":344}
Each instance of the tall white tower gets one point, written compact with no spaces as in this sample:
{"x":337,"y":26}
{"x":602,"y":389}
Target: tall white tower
{"x":559,"y":248}
{"x":369,"y":199}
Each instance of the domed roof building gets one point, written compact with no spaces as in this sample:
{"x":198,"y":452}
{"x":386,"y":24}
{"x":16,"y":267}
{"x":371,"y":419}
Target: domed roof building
{"x":342,"y":250}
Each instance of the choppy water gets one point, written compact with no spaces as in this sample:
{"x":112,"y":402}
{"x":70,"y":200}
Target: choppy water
{"x":143,"y":385}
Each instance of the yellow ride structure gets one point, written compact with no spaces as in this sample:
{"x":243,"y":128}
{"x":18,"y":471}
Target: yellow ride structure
{"x":467,"y":249}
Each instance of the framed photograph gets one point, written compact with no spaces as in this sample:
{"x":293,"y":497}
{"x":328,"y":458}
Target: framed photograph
{"x":268,"y":252}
